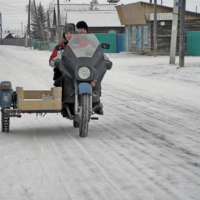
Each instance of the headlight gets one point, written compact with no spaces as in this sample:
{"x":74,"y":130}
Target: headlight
{"x":84,"y":72}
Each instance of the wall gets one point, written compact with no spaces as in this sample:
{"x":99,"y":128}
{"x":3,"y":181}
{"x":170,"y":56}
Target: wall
{"x":146,"y":48}
{"x":163,"y":36}
{"x":119,"y":30}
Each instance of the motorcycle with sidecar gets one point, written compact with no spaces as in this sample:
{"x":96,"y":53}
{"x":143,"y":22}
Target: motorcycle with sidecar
{"x":83,"y":66}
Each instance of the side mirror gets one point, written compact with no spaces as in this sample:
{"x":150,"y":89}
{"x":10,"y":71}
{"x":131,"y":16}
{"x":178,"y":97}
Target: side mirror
{"x":59,"y":47}
{"x":108,"y":64}
{"x":105,"y":46}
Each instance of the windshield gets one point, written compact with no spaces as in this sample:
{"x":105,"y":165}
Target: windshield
{"x":83,"y":45}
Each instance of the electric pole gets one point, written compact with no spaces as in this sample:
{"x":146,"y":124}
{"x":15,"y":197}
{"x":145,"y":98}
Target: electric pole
{"x":29,"y":21}
{"x":174,"y":32}
{"x":1,"y":27}
{"x":182,"y":34}
{"x":58,"y":20}
{"x":48,"y":26}
{"x":22,"y":28}
{"x":155,"y":28}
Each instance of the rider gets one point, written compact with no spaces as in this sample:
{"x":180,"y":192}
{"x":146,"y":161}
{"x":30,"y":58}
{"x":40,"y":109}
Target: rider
{"x":82,"y":28}
{"x":68,"y":32}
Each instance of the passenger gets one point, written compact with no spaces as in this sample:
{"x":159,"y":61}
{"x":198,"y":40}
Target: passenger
{"x":82,"y":27}
{"x":67,"y":33}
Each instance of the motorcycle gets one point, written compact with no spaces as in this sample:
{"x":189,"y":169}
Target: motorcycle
{"x":83,"y":67}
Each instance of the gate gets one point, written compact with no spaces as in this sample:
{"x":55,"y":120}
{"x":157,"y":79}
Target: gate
{"x":127,"y":39}
{"x":139,"y":38}
{"x":193,"y":41}
{"x":120,"y":42}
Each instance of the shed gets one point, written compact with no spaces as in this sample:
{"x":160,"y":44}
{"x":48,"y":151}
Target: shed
{"x":7,"y":36}
{"x":138,"y":19}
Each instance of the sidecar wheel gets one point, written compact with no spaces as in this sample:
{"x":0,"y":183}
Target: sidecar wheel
{"x":85,"y":115}
{"x":5,"y":121}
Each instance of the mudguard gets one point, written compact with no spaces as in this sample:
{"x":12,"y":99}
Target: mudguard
{"x":85,"y":88}
{"x":5,"y":94}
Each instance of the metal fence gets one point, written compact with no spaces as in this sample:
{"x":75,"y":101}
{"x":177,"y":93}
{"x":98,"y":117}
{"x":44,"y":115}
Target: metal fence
{"x":116,"y":42}
{"x":16,"y":42}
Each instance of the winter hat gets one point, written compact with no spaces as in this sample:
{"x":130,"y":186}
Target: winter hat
{"x":82,"y":24}
{"x":70,"y":27}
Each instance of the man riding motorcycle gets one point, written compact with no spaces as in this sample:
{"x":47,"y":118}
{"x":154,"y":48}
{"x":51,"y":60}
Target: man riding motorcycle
{"x":66,"y":82}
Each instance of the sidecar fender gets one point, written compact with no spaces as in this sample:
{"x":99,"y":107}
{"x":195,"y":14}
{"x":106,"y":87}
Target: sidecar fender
{"x":85,"y":88}
{"x":5,"y":94}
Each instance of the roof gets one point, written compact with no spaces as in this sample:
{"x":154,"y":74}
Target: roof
{"x":102,"y":15}
{"x":10,"y":35}
{"x":139,"y":13}
{"x":95,"y":19}
{"x":86,"y":7}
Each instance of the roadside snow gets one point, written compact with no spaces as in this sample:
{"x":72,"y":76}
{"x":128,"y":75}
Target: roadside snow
{"x":146,"y":146}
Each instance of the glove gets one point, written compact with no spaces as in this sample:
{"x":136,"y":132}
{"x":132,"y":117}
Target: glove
{"x":57,"y":74}
{"x":52,"y":63}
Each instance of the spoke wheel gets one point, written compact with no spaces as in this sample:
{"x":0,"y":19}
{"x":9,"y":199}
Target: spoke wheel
{"x":84,"y":115}
{"x":5,"y":121}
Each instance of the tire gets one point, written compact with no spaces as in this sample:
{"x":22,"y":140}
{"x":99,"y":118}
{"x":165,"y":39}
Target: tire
{"x":5,"y":121}
{"x":84,"y":115}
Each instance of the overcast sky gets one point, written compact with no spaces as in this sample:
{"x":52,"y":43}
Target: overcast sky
{"x":14,"y":13}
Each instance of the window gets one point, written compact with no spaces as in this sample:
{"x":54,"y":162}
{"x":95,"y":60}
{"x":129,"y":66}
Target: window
{"x":146,"y":35}
{"x":134,"y":35}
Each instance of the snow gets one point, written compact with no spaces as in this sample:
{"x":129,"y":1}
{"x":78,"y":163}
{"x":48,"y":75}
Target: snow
{"x":146,"y":146}
{"x":95,"y":18}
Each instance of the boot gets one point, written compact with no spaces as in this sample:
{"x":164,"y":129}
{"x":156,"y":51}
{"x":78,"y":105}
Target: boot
{"x":99,"y":108}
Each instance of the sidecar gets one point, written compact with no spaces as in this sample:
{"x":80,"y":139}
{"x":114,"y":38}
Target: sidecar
{"x":15,"y":103}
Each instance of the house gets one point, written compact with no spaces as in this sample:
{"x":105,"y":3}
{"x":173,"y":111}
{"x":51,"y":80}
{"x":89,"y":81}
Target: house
{"x":138,"y":19}
{"x":101,"y":18}
{"x":7,"y":35}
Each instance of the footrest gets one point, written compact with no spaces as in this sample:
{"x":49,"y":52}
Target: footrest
{"x":94,"y":118}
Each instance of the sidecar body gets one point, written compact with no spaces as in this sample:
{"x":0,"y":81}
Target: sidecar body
{"x":15,"y":103}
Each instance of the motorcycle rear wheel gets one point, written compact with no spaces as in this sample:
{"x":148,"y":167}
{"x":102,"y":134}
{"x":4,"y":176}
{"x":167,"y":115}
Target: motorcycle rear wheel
{"x":84,"y":115}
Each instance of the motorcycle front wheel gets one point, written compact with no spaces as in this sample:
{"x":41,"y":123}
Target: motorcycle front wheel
{"x":84,"y":115}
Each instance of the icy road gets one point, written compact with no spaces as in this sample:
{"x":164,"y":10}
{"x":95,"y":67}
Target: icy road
{"x":145,"y":147}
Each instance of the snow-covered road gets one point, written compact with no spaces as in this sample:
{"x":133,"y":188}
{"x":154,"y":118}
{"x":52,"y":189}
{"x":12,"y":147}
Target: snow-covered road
{"x":145,"y":147}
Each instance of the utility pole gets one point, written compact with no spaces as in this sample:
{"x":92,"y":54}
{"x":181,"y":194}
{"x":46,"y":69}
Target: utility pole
{"x":182,"y":34}
{"x":26,"y":38}
{"x":150,"y":1}
{"x":155,"y":28}
{"x":58,"y":20}
{"x":29,"y":21}
{"x":196,"y":8}
{"x":1,"y":26}
{"x":174,"y":32}
{"x":48,"y":26}
{"x":161,"y":2}
{"x":22,"y":28}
